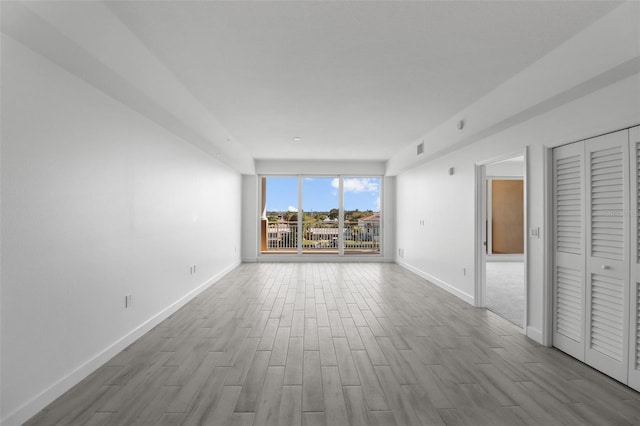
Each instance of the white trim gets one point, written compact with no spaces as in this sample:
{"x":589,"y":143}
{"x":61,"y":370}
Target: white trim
{"x":547,"y":247}
{"x":341,"y":216}
{"x":443,"y":285}
{"x":299,"y":216}
{"x":535,"y":334}
{"x":44,"y":398}
{"x":300,"y":255}
{"x":323,"y":258}
{"x":480,"y":249}
{"x":525,"y":198}
{"x":488,"y":218}
{"x":381,"y":211}
{"x":258,"y":205}
{"x":499,"y":158}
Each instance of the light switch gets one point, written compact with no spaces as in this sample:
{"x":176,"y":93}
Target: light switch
{"x":534,"y":232}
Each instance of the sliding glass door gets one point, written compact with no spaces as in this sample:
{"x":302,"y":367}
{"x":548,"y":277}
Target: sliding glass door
{"x":279,"y":221}
{"x":304,"y":215}
{"x":321,"y":205}
{"x":361,"y":215}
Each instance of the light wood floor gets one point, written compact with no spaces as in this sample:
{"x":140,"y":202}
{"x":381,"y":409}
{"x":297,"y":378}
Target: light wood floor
{"x":339,"y":344}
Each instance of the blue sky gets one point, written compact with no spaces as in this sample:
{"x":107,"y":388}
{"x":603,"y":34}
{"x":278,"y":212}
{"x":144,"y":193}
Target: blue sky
{"x":321,"y":193}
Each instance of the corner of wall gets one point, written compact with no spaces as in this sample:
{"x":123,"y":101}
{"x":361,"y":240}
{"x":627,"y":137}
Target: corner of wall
{"x":443,"y":285}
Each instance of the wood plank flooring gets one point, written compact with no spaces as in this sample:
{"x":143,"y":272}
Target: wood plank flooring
{"x":339,"y":344}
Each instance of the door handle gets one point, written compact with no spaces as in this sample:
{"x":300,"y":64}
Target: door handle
{"x":605,"y":267}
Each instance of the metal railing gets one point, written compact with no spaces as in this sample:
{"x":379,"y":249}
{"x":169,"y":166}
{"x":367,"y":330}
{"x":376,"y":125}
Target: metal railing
{"x":360,"y":236}
{"x":282,"y":235}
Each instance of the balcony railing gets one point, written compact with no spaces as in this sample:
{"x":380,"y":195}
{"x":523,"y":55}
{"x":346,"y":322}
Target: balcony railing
{"x":320,"y":236}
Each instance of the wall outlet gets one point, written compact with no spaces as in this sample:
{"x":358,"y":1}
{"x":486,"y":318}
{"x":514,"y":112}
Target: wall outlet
{"x":401,"y":252}
{"x":127,"y":301}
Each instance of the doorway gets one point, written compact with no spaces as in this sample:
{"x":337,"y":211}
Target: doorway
{"x":501,"y":212}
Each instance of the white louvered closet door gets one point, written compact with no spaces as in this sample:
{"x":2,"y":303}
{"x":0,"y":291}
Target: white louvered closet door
{"x":569,"y":243}
{"x":634,"y":291}
{"x":607,"y":256}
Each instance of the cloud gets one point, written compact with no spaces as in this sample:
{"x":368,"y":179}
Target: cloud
{"x":292,"y":209}
{"x":358,"y":184}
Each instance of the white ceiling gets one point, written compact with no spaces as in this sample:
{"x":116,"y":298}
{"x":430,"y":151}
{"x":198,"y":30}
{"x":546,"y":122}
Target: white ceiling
{"x":354,"y":80}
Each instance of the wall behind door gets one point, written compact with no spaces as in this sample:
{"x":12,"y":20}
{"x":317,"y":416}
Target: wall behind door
{"x":507,"y":216}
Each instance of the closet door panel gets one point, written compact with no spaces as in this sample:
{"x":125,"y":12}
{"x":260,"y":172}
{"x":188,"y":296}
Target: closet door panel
{"x":634,"y":290}
{"x":607,"y":257}
{"x":569,"y":253}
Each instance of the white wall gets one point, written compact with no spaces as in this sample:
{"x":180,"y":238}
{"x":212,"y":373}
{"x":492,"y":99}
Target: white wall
{"x":389,"y":217}
{"x":320,"y":167}
{"x":98,"y":202}
{"x":250,"y":216}
{"x":588,"y":86}
{"x":435,"y":223}
{"x":445,"y":244}
{"x":509,"y":168}
{"x":602,"y":54}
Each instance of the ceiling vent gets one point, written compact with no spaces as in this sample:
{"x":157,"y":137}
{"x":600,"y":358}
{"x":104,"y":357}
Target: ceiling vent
{"x":420,"y":148}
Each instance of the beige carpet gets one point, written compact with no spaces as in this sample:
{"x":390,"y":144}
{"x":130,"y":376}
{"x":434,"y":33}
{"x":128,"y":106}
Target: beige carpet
{"x":505,"y":290}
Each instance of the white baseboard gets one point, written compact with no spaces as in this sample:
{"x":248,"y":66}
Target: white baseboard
{"x":535,"y":334}
{"x":44,"y":398}
{"x":443,"y":285}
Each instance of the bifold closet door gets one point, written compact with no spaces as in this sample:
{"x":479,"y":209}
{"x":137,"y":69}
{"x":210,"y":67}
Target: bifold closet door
{"x":607,"y":256}
{"x":569,"y":244}
{"x":634,"y":291}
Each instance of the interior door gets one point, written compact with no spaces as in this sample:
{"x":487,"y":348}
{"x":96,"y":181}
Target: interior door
{"x":607,"y":266}
{"x":507,"y":216}
{"x":569,"y":256}
{"x":634,"y":291}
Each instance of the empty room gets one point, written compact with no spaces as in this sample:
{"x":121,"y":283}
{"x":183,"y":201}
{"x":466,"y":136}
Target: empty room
{"x":320,"y":213}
